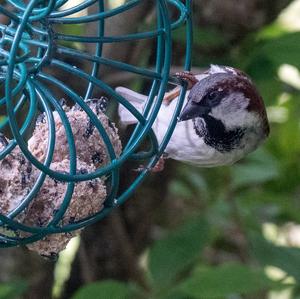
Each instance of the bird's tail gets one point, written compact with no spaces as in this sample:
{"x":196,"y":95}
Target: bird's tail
{"x":136,"y":99}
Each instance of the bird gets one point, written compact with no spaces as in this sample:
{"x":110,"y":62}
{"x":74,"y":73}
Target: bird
{"x":223,"y":117}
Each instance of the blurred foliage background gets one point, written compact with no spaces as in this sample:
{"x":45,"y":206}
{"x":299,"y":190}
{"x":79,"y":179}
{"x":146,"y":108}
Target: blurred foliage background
{"x":189,"y":233}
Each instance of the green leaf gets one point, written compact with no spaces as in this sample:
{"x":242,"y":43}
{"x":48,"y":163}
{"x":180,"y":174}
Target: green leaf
{"x":12,"y":290}
{"x":170,"y":256}
{"x":285,"y":258}
{"x":275,"y":49}
{"x":208,"y":37}
{"x":263,"y":61}
{"x":105,"y":289}
{"x":179,"y":188}
{"x":2,"y":119}
{"x":225,"y":280}
{"x":175,"y":294}
{"x":189,"y":183}
{"x":272,"y":31}
{"x":261,"y":167}
{"x":196,"y":181}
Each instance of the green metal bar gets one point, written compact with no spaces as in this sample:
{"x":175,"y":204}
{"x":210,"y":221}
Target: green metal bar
{"x":72,"y":10}
{"x":98,"y":53}
{"x":24,"y":72}
{"x":109,"y":39}
{"x":49,"y":154}
{"x":98,"y":16}
{"x":22,"y":6}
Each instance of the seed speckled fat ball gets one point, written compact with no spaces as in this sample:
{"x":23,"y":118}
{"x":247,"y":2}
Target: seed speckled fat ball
{"x":87,"y":199}
{"x":90,"y":147}
{"x":16,"y":178}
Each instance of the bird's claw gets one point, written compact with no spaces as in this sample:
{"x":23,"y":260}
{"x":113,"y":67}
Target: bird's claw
{"x":189,"y":77}
{"x":3,"y":139}
{"x":171,"y":95}
{"x":158,"y":167}
{"x":141,"y":168}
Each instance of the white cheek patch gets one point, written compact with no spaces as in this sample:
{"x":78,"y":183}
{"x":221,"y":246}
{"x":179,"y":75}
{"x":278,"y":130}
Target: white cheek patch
{"x":232,"y":111}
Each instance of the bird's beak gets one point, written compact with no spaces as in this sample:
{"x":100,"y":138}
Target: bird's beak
{"x":192,"y":110}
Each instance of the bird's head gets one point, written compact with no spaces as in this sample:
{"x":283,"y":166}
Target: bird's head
{"x":226,"y":100}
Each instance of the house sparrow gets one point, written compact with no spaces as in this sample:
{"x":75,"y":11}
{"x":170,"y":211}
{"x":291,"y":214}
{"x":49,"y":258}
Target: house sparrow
{"x":223,"y":118}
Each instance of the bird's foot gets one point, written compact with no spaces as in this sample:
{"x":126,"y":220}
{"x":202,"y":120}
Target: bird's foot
{"x":158,"y":167}
{"x":171,"y":95}
{"x":189,"y":77}
{"x":3,"y":139}
{"x":186,"y":76}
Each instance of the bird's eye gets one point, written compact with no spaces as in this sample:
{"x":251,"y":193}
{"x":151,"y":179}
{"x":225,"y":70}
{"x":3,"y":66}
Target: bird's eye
{"x":212,"y":95}
{"x":214,"y":98}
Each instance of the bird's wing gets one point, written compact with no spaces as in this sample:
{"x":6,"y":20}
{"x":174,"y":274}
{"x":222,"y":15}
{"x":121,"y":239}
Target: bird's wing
{"x":136,"y":99}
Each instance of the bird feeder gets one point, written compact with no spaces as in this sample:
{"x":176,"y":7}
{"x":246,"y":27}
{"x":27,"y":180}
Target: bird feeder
{"x":36,"y":44}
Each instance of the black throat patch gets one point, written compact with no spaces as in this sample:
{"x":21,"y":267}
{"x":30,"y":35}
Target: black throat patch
{"x":215,"y":135}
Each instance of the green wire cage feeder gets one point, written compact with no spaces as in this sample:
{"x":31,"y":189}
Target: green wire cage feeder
{"x":36,"y":45}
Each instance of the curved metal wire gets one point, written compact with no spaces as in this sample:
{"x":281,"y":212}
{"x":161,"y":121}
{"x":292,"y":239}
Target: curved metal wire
{"x":30,"y":43}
